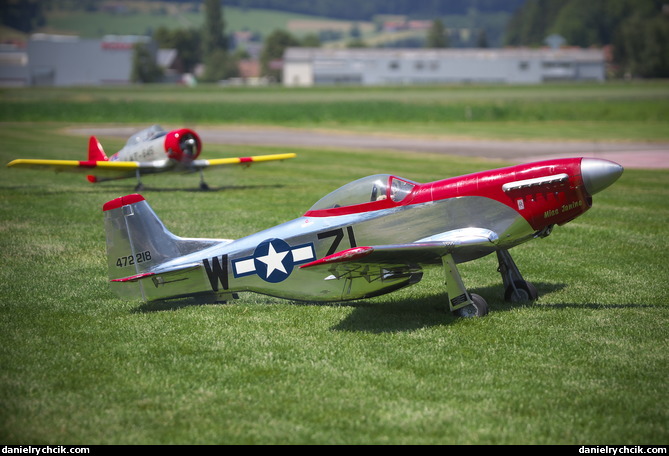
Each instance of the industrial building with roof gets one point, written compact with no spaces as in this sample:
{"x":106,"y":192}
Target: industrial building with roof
{"x":369,"y":67}
{"x":59,"y":60}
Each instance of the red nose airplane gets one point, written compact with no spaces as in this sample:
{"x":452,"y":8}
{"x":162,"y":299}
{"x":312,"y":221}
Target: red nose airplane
{"x":369,"y":237}
{"x":149,"y":151}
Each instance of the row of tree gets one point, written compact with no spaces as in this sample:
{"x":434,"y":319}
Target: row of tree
{"x":638,"y":30}
{"x":26,"y":14}
{"x":365,"y":11}
{"x":210,"y":47}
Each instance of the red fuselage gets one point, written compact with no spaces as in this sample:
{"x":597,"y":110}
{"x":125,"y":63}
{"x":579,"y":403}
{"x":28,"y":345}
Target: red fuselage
{"x":543,"y":193}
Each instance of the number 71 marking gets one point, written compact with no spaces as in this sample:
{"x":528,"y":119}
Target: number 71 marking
{"x":338,"y":235}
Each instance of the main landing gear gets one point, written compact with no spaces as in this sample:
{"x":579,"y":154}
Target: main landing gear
{"x":460,"y":301}
{"x":203,"y":184}
{"x":139,"y":187}
{"x":516,"y":289}
{"x":464,"y":304}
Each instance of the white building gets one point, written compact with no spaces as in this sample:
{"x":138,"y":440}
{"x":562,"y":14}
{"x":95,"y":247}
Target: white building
{"x":364,"y":66}
{"x":57,"y":60}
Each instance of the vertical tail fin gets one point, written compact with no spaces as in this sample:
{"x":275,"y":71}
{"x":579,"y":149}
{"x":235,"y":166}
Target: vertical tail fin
{"x":136,"y":238}
{"x":139,"y":244}
{"x":95,"y":153}
{"x":95,"y":150}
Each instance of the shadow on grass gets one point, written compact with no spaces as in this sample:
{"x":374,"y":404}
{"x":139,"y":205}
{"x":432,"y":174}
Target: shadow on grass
{"x":176,"y":304}
{"x":389,"y":315}
{"x":409,"y":314}
{"x":224,"y":188}
{"x":126,"y":190}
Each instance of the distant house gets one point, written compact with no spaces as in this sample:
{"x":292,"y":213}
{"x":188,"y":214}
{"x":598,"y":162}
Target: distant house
{"x":168,"y":60}
{"x":249,"y":74}
{"x":364,"y":66}
{"x":13,"y":65}
{"x":58,"y":60}
{"x":249,"y":68}
{"x":404,"y":24}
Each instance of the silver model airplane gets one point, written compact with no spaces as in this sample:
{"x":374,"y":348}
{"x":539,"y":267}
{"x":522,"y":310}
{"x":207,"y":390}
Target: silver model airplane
{"x":369,"y":237}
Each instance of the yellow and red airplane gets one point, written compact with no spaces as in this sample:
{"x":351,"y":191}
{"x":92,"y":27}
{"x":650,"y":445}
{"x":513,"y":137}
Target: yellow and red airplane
{"x":152,"y":150}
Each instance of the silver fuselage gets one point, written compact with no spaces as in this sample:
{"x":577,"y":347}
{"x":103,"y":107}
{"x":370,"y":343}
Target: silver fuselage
{"x":229,"y":267}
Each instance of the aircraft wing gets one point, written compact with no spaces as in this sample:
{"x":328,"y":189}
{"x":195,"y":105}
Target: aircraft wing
{"x":109,"y":169}
{"x":121,"y":169}
{"x":463,"y":243}
{"x":203,"y":164}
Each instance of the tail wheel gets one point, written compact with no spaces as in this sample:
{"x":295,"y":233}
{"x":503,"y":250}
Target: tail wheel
{"x":520,"y":291}
{"x":478,"y":308}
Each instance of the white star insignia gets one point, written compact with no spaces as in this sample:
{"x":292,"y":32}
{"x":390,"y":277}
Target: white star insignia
{"x":274,"y":260}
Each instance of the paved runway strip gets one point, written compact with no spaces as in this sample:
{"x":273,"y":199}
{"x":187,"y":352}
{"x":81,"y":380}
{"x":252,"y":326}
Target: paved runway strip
{"x":630,"y":155}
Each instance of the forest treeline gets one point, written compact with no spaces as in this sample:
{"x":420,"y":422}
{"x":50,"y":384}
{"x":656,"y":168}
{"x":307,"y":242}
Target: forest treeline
{"x":348,"y":10}
{"x":365,"y":11}
{"x":638,"y":30}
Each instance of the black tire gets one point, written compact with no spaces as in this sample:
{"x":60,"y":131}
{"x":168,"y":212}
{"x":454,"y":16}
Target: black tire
{"x":478,"y":308}
{"x":522,"y":292}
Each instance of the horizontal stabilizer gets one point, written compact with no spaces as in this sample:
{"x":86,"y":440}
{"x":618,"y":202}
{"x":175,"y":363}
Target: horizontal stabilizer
{"x":159,"y":271}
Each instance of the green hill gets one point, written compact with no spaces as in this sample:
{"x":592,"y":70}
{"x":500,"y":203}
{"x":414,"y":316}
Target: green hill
{"x":143,"y":17}
{"x":99,"y":23}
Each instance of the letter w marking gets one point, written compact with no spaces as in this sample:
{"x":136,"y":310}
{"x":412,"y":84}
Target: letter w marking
{"x":217,"y":271}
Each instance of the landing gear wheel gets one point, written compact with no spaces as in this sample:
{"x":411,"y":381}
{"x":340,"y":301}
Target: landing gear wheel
{"x":203,"y":185}
{"x":478,"y":308}
{"x":520,"y":291}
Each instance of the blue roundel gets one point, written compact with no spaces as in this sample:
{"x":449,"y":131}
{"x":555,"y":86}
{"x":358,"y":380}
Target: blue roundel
{"x":273,"y":260}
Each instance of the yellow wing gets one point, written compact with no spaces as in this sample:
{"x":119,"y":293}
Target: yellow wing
{"x":96,"y":171}
{"x":201,"y":164}
{"x":104,"y":170}
{"x":75,"y":166}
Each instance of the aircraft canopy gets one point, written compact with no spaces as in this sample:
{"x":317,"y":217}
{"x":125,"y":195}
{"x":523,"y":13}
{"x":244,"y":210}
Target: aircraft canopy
{"x":153,"y":132}
{"x":371,"y":188}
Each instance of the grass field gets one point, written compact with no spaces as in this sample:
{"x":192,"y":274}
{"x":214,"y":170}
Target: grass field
{"x":600,"y":112}
{"x":585,"y":364}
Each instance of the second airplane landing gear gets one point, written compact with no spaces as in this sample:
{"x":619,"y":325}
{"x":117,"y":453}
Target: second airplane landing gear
{"x":203,"y":184}
{"x":139,"y":187}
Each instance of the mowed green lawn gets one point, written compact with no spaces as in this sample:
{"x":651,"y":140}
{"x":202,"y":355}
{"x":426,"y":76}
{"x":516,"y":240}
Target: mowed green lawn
{"x":585,"y":364}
